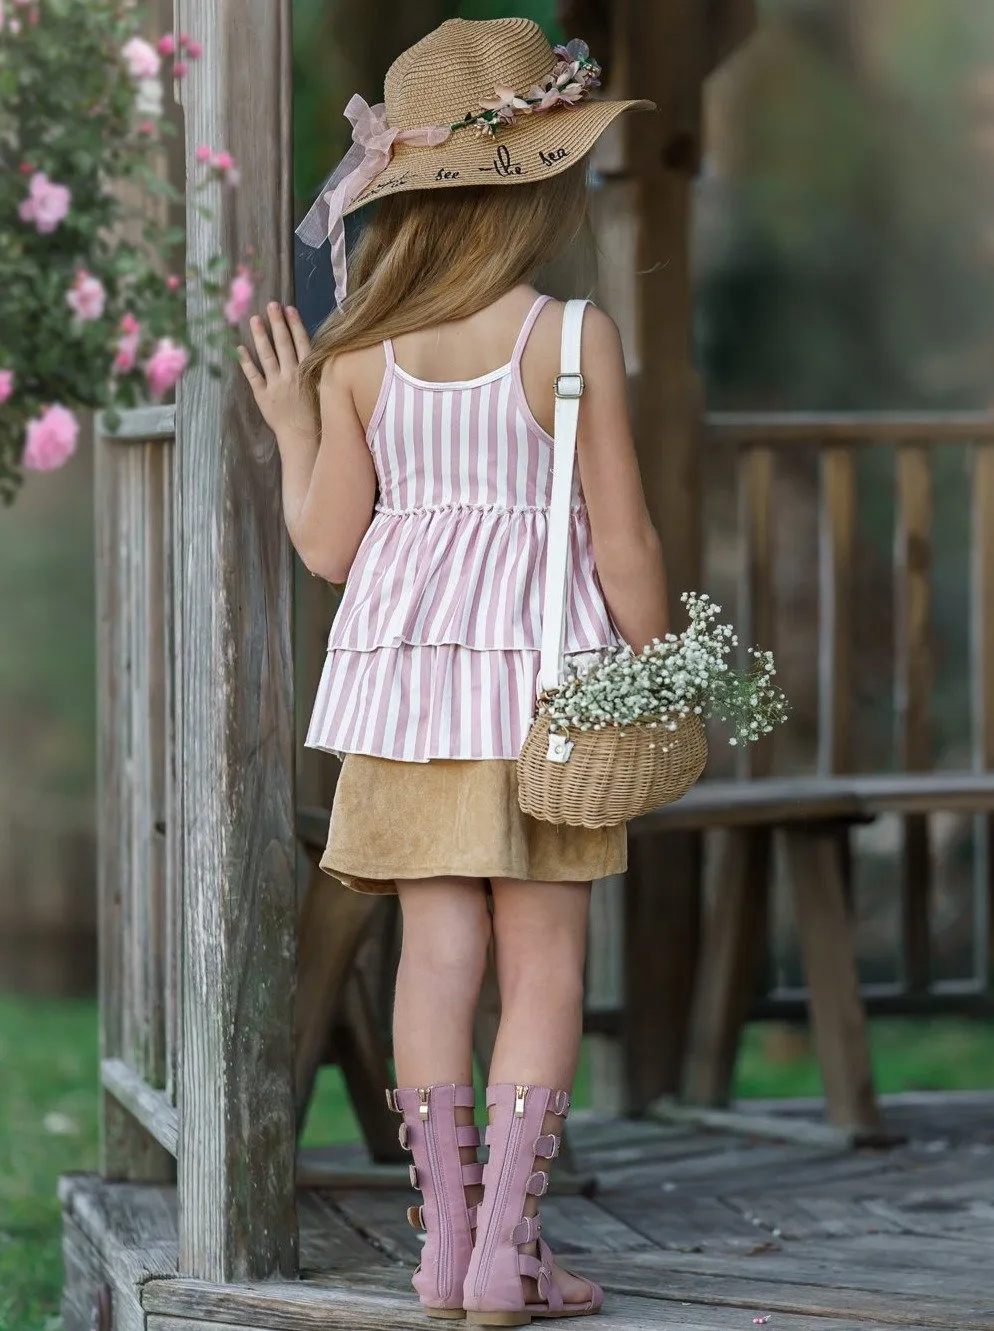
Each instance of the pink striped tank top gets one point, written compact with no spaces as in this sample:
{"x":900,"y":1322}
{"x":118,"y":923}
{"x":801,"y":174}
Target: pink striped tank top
{"x":434,"y":650}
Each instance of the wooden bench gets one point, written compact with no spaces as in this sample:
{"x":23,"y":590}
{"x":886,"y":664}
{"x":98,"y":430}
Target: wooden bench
{"x":811,"y":816}
{"x":807,"y":815}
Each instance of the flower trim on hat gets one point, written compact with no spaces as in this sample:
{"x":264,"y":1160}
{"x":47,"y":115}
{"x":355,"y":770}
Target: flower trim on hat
{"x":571,"y":80}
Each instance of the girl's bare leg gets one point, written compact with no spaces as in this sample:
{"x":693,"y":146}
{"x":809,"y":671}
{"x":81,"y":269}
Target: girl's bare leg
{"x":540,"y":936}
{"x":444,"y":954}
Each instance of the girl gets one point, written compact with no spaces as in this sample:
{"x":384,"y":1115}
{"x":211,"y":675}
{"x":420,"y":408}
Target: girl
{"x":425,"y":489}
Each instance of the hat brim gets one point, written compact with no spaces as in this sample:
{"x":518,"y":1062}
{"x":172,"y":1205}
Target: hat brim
{"x":533,"y":147}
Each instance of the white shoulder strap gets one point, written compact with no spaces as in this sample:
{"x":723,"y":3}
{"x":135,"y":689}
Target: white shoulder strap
{"x":569,"y":390}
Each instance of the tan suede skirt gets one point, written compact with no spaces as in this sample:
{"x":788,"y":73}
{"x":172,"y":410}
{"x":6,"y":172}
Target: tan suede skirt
{"x":455,"y":818}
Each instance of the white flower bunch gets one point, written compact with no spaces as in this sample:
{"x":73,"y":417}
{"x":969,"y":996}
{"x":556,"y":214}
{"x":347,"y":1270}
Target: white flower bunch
{"x":671,"y":679}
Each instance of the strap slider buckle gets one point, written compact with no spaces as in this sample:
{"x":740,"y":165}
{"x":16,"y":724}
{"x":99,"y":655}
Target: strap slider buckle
{"x":560,"y":748}
{"x":569,"y":385}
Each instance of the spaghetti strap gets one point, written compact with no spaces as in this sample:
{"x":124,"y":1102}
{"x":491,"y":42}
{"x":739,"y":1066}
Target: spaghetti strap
{"x":384,"y":393}
{"x":527,"y":326}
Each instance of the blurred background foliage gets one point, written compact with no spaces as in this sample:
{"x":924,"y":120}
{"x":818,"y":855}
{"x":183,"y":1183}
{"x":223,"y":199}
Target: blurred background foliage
{"x":845,"y":244}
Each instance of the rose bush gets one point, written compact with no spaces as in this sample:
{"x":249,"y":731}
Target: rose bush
{"x":93,"y":312}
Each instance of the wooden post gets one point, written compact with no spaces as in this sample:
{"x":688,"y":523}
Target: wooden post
{"x":913,"y":685}
{"x":734,"y":935}
{"x":982,"y":696}
{"x":828,"y":942}
{"x":662,"y":151}
{"x":235,"y":703}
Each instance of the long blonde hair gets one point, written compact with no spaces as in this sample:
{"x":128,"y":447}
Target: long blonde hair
{"x":430,"y":256}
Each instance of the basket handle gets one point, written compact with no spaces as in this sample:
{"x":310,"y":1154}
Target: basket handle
{"x":569,"y":390}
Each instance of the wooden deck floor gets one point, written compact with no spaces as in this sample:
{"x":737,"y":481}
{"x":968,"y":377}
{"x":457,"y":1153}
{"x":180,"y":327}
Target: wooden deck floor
{"x":686,"y":1230}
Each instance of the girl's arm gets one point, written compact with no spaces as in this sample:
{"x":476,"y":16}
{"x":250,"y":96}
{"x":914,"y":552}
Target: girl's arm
{"x":626,"y":547}
{"x":329,"y":483}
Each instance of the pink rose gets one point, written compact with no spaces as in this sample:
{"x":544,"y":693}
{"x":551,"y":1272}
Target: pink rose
{"x":6,"y":384}
{"x":205,"y":153}
{"x":87,"y":297}
{"x":224,"y":164}
{"x":51,"y":439}
{"x":179,"y":69}
{"x":127,"y":346}
{"x":166,"y":44}
{"x":165,"y":366}
{"x":46,"y":205}
{"x":142,"y":59}
{"x":239,"y":297}
{"x":173,"y":282}
{"x":194,"y":50}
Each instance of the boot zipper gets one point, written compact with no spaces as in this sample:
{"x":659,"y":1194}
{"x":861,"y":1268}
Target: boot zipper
{"x":444,"y":1273}
{"x":503,"y":1183}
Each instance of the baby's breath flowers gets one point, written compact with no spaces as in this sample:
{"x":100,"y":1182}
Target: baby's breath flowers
{"x":671,"y":679}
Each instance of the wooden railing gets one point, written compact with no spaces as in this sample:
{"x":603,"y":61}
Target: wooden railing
{"x":812,"y":786}
{"x":140,"y":903}
{"x":762,"y":443}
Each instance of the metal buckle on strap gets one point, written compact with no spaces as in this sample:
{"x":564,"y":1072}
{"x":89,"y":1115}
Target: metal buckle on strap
{"x":569,"y":385}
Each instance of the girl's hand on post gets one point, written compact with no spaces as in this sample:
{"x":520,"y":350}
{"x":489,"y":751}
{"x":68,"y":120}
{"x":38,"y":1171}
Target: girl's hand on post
{"x":275,"y":382}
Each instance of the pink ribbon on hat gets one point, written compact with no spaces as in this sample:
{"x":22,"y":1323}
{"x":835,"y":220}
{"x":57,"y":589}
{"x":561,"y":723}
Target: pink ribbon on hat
{"x":371,"y":152}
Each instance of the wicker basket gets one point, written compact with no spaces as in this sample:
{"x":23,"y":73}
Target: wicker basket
{"x":609,"y":776}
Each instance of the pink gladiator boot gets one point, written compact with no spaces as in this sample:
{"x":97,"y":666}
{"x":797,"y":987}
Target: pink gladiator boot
{"x":519,"y":1146}
{"x":430,"y":1133}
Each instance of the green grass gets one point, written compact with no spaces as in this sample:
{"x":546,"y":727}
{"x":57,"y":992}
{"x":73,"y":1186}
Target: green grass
{"x":48,"y":1126}
{"x":48,"y":1116}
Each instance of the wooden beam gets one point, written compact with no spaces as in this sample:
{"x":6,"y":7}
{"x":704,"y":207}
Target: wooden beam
{"x":235,"y":731}
{"x":757,"y":585}
{"x":857,"y":428}
{"x":731,"y":951}
{"x":828,"y":943}
{"x":141,"y":425}
{"x":126,"y":1149}
{"x":836,"y":573}
{"x":913,"y":688}
{"x":662,"y":939}
{"x":331,"y":926}
{"x":781,"y":801}
{"x":660,"y":153}
{"x":151,"y":1108}
{"x":663,"y":151}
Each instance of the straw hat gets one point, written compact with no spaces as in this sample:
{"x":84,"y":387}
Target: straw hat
{"x":448,"y":76}
{"x":473,"y":103}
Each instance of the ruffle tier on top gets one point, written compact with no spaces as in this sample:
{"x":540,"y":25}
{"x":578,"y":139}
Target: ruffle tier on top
{"x":434,"y":651}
